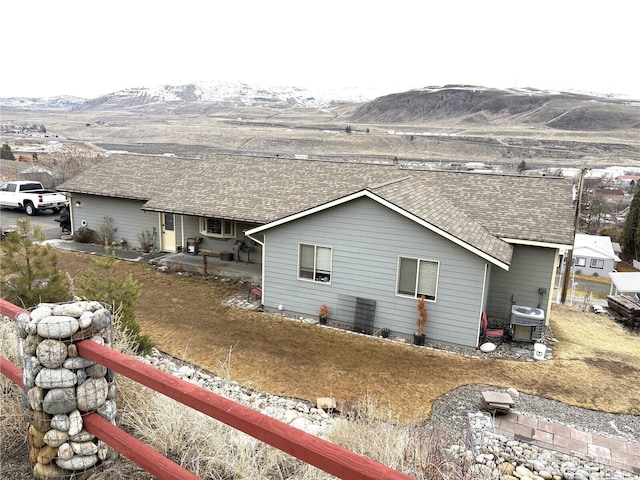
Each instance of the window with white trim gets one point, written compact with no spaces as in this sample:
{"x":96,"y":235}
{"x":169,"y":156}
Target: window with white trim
{"x":218,"y":227}
{"x":417,"y":277}
{"x":314,"y":263}
{"x":597,"y":263}
{"x":580,"y":262}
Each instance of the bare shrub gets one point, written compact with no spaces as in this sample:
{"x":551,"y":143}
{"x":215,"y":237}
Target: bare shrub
{"x":200,"y":444}
{"x":106,"y":231}
{"x":146,"y":240}
{"x":84,"y":235}
{"x":420,"y":451}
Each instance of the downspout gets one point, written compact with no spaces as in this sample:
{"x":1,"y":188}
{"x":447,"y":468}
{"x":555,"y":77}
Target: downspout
{"x":482,"y":305}
{"x":71,"y":215}
{"x":160,"y":232}
{"x":262,"y":243}
{"x":182,"y":243}
{"x":552,"y":287}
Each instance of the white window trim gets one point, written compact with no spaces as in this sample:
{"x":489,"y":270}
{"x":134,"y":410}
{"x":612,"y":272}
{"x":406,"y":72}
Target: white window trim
{"x":581,"y":262}
{"x":418,"y":259}
{"x":315,"y":258}
{"x":203,"y":228}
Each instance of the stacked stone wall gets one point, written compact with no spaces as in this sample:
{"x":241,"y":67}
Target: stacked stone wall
{"x":62,"y":387}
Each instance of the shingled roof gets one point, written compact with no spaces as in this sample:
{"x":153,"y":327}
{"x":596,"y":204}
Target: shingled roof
{"x":482,"y":210}
{"x":423,"y":200}
{"x":251,"y":189}
{"x":514,"y":207}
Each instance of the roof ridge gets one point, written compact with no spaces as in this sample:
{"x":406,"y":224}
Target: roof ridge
{"x":389,"y":182}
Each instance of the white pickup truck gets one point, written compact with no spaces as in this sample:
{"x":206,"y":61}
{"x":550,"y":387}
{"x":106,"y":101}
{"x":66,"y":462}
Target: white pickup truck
{"x":31,"y":197}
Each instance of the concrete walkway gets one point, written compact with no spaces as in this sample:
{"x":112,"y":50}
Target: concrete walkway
{"x":178,"y":262}
{"x":597,"y":448}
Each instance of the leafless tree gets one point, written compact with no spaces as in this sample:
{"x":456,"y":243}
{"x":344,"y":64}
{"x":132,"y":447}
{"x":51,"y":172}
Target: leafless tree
{"x":72,"y":161}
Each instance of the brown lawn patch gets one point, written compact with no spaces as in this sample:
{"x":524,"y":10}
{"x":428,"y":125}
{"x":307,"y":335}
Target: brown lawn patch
{"x":595,"y":363}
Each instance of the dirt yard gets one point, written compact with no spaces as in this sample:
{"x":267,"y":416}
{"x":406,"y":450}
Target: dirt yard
{"x":594,"y":366}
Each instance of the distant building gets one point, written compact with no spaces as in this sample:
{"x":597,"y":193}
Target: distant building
{"x":594,"y":255}
{"x":612,"y":196}
{"x":627,"y":180}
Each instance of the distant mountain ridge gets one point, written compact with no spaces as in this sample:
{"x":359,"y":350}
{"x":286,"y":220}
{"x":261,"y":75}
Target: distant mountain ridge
{"x":462,"y":104}
{"x":60,"y":102}
{"x":471,"y":104}
{"x":198,"y":97}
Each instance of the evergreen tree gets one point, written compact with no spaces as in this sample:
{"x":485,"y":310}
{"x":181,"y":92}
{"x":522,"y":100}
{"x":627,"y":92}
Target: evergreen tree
{"x":29,"y":273}
{"x":6,"y":153}
{"x":100,"y":283}
{"x":631,"y":233}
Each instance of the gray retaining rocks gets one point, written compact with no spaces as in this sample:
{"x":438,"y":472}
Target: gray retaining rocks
{"x":61,"y":387}
{"x":515,"y":459}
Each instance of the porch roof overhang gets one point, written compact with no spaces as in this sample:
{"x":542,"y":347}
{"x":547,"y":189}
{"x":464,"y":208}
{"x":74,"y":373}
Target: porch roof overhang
{"x":125,"y":196}
{"x":203,"y":214}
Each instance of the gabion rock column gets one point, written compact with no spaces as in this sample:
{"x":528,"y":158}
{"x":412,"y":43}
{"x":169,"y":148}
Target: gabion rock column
{"x":61,"y":387}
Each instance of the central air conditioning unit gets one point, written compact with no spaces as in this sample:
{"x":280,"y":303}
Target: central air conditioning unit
{"x":526,"y":324}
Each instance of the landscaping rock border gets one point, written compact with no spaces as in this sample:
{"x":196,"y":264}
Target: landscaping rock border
{"x":458,"y":416}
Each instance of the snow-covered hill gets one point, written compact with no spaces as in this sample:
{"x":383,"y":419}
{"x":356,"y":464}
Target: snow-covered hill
{"x":61,"y":102}
{"x":200,"y":97}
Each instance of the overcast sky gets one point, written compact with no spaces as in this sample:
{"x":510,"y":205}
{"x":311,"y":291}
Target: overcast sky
{"x":89,"y":48}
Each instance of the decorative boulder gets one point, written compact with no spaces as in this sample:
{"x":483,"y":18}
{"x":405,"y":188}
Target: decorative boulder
{"x":487,"y":347}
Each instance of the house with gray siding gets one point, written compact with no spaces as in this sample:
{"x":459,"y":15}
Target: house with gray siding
{"x":365,"y":239}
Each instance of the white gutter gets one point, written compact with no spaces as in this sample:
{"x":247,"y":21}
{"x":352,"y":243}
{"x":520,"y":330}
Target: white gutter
{"x":534,"y":243}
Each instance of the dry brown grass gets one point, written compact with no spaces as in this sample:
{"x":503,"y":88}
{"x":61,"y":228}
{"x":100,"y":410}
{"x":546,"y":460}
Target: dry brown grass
{"x":13,"y":443}
{"x":212,"y":450}
{"x":185,"y":316}
{"x":601,"y":355}
{"x":596,"y":365}
{"x":289,"y":132}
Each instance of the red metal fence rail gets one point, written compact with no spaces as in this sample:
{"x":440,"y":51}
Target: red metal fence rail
{"x":325,"y":455}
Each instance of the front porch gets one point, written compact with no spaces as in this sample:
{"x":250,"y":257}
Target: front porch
{"x":210,"y":265}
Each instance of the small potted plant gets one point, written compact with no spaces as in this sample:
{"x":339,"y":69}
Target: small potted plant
{"x":385,"y":332}
{"x":421,"y":326}
{"x":323,"y":314}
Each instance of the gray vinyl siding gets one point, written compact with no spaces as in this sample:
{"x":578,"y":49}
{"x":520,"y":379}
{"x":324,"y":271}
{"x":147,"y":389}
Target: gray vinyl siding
{"x":192,"y":229}
{"x":130,"y":221}
{"x":531,"y":269}
{"x":367,"y":239}
{"x":126,"y":216}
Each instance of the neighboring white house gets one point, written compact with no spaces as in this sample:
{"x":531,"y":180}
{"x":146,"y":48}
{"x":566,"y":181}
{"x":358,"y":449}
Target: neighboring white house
{"x":625,"y":283}
{"x":594,"y":255}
